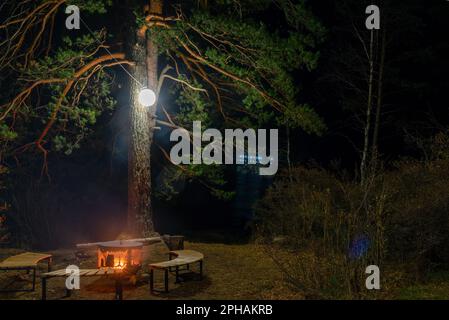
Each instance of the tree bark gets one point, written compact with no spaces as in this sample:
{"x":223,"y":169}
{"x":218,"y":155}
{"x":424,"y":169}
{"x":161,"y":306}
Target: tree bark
{"x":379,"y":92}
{"x":142,"y":122}
{"x":363,"y":164}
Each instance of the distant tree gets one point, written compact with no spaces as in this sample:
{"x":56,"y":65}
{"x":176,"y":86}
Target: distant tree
{"x":365,"y":66}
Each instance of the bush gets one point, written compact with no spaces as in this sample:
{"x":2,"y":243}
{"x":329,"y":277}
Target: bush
{"x":335,"y":227}
{"x":322,"y":229}
{"x":418,"y":228}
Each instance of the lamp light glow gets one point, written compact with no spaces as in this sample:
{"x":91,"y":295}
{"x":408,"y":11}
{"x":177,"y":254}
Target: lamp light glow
{"x":147,"y":97}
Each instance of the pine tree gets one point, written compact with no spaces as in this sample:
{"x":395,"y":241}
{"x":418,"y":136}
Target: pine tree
{"x":220,"y":63}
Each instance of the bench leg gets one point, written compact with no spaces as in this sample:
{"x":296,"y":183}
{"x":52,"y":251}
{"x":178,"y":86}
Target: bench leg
{"x":151,"y":281}
{"x":170,"y":257}
{"x":118,"y":289}
{"x":177,"y":274}
{"x":49,"y":262}
{"x":166,"y":280}
{"x":34,"y":278}
{"x":44,"y":289}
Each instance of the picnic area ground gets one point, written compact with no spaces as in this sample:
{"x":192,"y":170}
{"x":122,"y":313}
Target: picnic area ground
{"x":231,"y":271}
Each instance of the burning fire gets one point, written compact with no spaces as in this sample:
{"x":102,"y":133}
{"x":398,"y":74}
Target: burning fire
{"x":118,"y":259}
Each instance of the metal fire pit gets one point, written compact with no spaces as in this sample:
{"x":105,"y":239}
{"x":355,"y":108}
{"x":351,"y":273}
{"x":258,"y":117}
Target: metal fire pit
{"x":120,"y":254}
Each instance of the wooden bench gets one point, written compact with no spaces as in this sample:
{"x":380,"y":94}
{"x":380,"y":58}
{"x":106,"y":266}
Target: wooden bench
{"x":183,"y":258}
{"x":26,"y":261}
{"x":118,"y":274}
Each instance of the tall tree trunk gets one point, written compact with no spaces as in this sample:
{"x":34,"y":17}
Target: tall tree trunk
{"x":379,"y":92}
{"x":363,"y":163}
{"x":142,"y":121}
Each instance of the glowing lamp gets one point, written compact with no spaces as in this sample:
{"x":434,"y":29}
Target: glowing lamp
{"x":147,"y":97}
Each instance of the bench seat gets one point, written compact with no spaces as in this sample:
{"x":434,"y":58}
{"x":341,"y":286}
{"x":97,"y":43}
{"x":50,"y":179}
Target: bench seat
{"x":182,"y":258}
{"x":26,"y":261}
{"x":83,"y":273}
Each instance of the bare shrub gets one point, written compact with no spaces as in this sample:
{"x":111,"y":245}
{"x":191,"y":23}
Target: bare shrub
{"x":332,"y":227}
{"x":417,"y":231}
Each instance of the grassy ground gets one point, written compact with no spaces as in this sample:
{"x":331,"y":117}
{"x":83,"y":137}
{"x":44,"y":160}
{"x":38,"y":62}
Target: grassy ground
{"x":232,"y":271}
{"x":435,"y":288}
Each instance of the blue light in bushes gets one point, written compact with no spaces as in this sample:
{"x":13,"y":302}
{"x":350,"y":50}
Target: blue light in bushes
{"x":359,"y":247}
